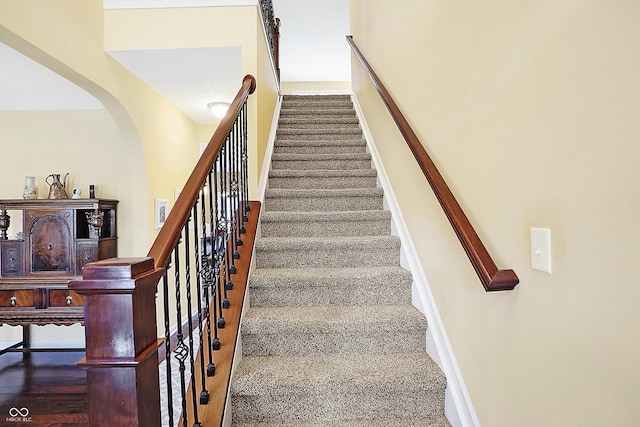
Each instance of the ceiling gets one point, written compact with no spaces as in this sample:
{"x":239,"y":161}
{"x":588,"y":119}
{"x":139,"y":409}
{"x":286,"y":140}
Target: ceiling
{"x":312,"y":48}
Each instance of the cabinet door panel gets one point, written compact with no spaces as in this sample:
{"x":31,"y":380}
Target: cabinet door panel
{"x":50,"y":237}
{"x":11,"y":261}
{"x":86,"y":252}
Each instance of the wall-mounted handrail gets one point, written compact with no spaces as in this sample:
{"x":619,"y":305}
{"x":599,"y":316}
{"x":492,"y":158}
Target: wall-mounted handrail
{"x":492,"y":279}
{"x":169,"y":235}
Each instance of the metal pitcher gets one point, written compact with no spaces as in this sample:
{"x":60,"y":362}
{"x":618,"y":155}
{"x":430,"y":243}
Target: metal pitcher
{"x":57,"y":189}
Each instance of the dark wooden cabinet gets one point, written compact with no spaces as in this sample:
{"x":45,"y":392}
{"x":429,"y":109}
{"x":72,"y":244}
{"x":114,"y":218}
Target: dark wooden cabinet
{"x":55,"y":242}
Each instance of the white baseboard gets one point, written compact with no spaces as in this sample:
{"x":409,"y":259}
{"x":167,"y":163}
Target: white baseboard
{"x":266,"y":162}
{"x":47,"y":345}
{"x":458,"y":406}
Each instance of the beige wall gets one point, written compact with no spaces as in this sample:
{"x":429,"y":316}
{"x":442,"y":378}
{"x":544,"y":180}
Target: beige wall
{"x":207,"y":27}
{"x":159,"y":144}
{"x":530,"y":110}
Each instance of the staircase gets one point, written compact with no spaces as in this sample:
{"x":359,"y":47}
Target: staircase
{"x":331,"y":337}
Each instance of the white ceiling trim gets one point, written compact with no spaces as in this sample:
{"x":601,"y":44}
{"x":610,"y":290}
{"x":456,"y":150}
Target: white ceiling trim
{"x":160,"y":4}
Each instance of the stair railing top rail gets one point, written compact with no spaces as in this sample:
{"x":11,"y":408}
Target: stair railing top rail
{"x":169,"y":235}
{"x":491,"y":277}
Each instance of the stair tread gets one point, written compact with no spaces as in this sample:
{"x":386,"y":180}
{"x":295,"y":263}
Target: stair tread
{"x":284,"y":287}
{"x":348,"y":373}
{"x":335,"y":319}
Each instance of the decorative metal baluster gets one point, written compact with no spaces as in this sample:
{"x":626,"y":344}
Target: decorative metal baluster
{"x":241,"y":183}
{"x":228,"y":283}
{"x":215,"y":230}
{"x":187,"y":267}
{"x":266,"y":7}
{"x":245,"y":162}
{"x":167,"y":346}
{"x":181,"y":352}
{"x":204,"y":394}
{"x":207,"y":277}
{"x":237,"y":241}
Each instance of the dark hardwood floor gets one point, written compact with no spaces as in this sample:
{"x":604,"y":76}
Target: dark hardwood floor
{"x":48,"y":384}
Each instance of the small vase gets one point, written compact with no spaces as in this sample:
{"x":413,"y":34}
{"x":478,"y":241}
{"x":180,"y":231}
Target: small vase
{"x":30,"y":189}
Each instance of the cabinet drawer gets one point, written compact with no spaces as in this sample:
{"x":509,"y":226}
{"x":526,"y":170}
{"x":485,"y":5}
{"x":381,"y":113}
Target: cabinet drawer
{"x":17,"y":298}
{"x":64,"y":298}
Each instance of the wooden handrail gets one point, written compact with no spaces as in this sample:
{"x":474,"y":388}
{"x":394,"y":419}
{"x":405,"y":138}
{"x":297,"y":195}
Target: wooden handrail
{"x":170,"y":233}
{"x":492,"y":279}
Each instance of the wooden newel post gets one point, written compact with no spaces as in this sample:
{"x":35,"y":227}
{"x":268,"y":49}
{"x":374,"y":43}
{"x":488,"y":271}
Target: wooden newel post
{"x":121,"y":341}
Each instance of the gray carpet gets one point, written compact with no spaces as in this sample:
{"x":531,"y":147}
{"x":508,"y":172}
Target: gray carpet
{"x":331,"y":338}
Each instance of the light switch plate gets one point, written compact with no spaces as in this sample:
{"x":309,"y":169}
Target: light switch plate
{"x":541,"y":249}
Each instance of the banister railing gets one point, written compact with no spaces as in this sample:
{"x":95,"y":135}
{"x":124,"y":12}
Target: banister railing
{"x":491,"y":277}
{"x":272,"y":31}
{"x":206,"y":241}
{"x":170,"y":233}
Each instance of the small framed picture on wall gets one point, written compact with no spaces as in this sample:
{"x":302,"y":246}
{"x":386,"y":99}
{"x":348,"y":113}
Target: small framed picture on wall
{"x":162,"y":210}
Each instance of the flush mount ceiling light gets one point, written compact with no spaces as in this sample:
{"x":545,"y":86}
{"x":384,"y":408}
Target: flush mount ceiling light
{"x":218,"y":109}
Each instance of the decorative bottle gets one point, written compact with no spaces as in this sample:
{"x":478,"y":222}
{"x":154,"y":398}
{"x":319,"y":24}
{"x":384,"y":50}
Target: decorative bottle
{"x":30,"y":188}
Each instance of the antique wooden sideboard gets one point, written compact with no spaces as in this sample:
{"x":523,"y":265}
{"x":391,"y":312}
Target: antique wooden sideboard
{"x":58,"y":238}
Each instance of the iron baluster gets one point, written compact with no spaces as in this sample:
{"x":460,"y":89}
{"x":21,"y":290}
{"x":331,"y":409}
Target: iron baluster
{"x":181,"y":351}
{"x":204,"y":394}
{"x":243,"y":183}
{"x":167,"y":346}
{"x":187,"y":281}
{"x":207,"y":275}
{"x":228,"y":284}
{"x":245,"y":138}
{"x":215,"y":238}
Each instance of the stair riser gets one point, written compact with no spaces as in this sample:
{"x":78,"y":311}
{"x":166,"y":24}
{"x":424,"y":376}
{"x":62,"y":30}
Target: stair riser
{"x":319,"y":405}
{"x":321,"y":164}
{"x":319,"y":135}
{"x":324,"y":103}
{"x":314,"y":128}
{"x":325,"y":228}
{"x":358,"y":257}
{"x":317,"y":204}
{"x":311,"y":122}
{"x":339,"y":113}
{"x":324,"y":183}
{"x":320,"y":149}
{"x":330,"y":295}
{"x":289,"y":343}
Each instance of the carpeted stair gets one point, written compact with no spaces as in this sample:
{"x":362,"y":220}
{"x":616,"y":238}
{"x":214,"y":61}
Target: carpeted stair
{"x":331,"y":337}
